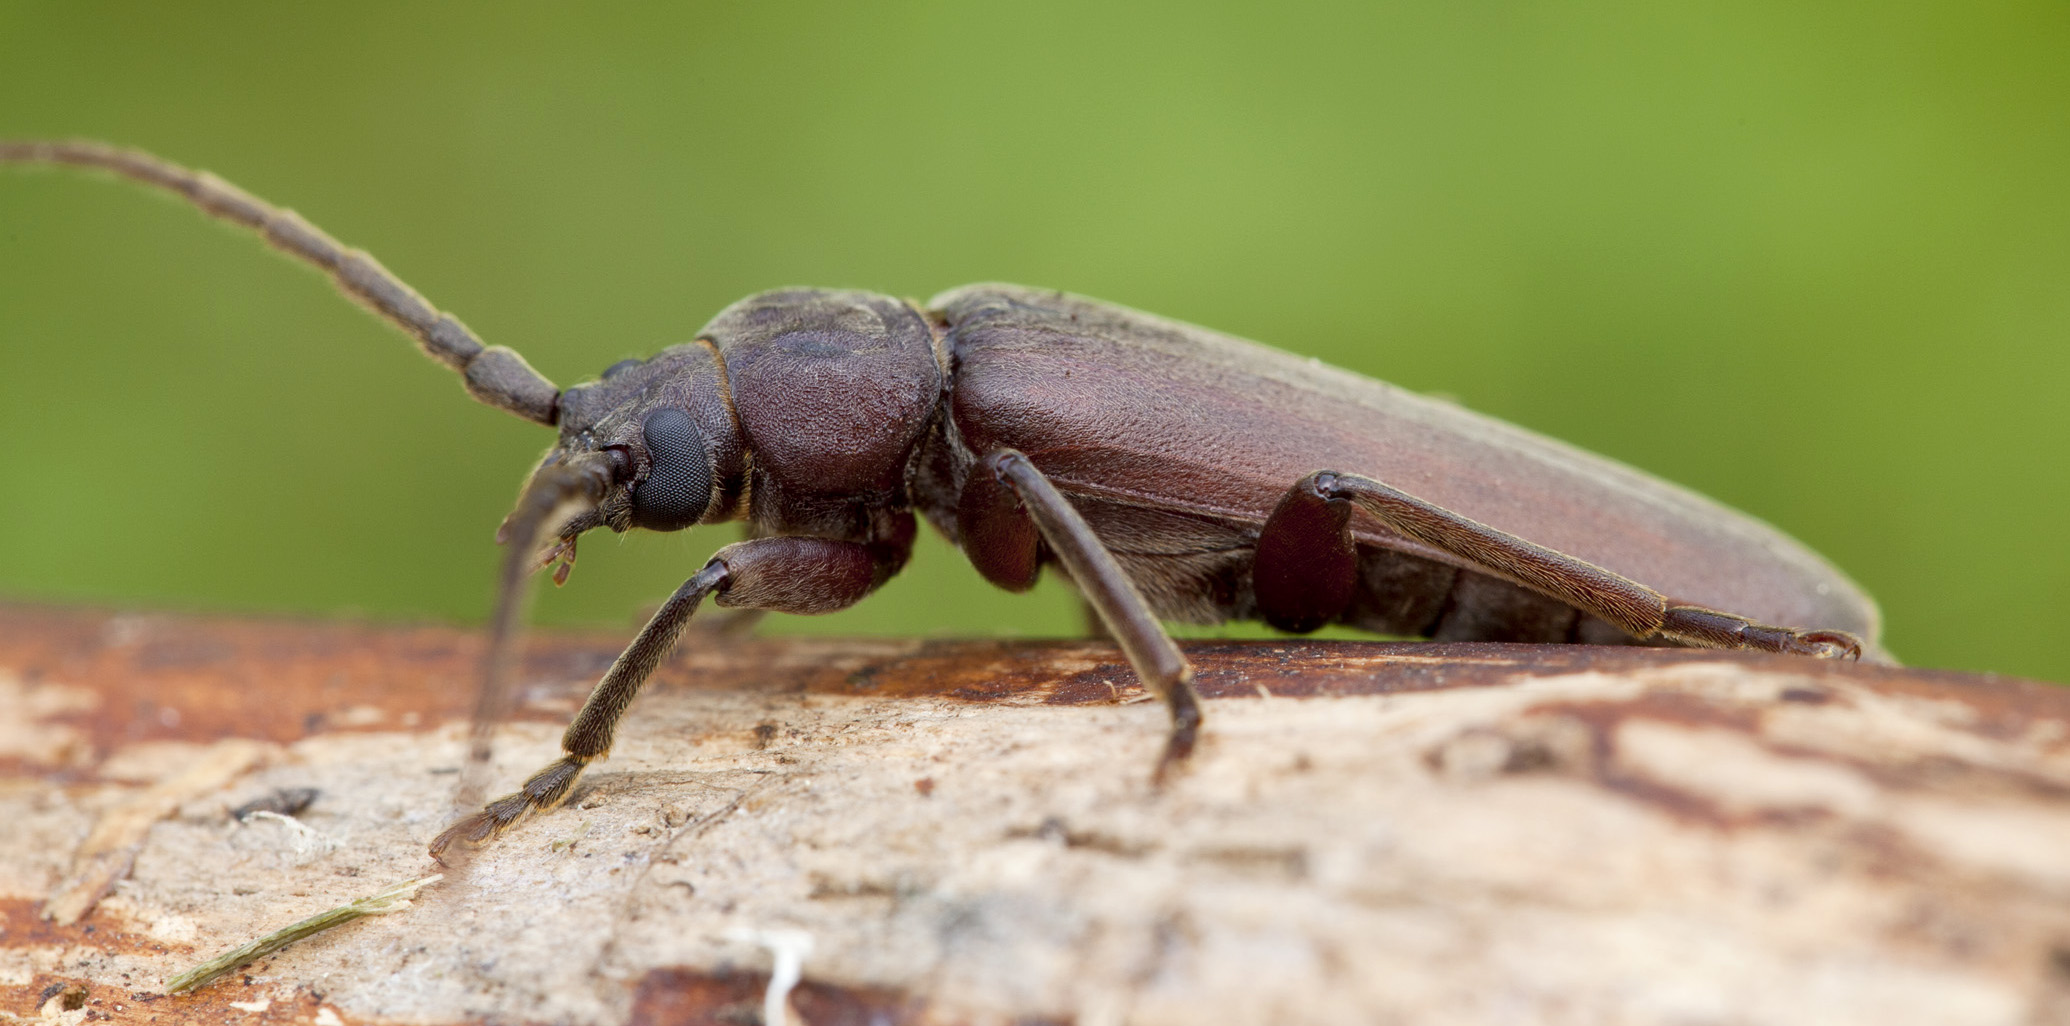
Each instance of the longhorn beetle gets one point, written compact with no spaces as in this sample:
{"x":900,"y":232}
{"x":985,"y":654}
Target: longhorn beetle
{"x":1168,"y":471}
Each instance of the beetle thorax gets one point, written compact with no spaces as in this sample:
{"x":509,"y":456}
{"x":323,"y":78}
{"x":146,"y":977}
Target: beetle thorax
{"x":833,"y":391}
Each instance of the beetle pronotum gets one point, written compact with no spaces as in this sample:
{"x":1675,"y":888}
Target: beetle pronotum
{"x":1167,"y":470}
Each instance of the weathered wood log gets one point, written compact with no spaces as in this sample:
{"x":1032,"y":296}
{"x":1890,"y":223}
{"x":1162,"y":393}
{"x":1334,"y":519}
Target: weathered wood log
{"x":965,"y":832}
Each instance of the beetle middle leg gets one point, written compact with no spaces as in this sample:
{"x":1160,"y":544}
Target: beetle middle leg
{"x":1306,"y":563}
{"x":1006,"y":508}
{"x":787,"y":575}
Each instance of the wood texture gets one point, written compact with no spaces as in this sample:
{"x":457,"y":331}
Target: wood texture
{"x":1370,"y":833}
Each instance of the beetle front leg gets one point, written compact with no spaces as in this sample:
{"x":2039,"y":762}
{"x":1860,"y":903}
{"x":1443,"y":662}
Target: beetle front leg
{"x":786,"y":575}
{"x":737,"y":623}
{"x":1325,"y":497}
{"x":1128,"y":618}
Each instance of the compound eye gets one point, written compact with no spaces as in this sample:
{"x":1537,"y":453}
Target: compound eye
{"x":678,"y":485}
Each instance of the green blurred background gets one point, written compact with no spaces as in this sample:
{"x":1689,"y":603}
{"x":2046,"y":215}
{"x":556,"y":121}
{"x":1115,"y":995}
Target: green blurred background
{"x":1808,"y":259}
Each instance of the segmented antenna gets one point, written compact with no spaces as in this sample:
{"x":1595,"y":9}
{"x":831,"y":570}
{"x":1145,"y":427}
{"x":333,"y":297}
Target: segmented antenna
{"x":495,"y":375}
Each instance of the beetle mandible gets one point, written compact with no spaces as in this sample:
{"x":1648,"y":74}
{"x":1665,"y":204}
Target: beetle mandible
{"x":1170,"y":472}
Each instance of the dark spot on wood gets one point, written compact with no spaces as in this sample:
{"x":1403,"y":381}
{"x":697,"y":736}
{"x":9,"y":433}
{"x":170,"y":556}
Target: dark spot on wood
{"x":1055,"y":831}
{"x":1285,"y":863}
{"x":287,"y":801}
{"x":1683,"y":710}
{"x":70,"y":997}
{"x":1529,"y":755}
{"x":764,"y":733}
{"x":824,"y":889}
{"x":924,"y":785}
{"x":694,"y":997}
{"x":1813,"y":696}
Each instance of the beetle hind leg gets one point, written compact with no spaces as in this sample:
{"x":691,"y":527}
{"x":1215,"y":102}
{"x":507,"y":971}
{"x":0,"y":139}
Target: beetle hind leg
{"x":1305,"y":570}
{"x":1325,"y":496}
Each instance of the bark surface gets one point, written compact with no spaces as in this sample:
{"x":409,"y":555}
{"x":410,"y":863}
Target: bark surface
{"x":965,"y":832}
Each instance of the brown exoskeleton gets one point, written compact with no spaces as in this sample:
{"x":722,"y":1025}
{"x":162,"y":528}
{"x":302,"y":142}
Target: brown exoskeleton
{"x":1170,"y":472}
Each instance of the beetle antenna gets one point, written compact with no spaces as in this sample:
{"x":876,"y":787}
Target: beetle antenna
{"x":556,"y":495}
{"x":495,"y":375}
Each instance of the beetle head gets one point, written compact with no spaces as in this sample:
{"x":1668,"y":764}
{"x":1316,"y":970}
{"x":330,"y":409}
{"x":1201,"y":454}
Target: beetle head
{"x":830,"y":390}
{"x":667,"y":428}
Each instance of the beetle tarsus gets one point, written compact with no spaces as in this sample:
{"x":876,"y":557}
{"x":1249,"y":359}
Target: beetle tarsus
{"x":1710,"y":628}
{"x":1178,"y":748}
{"x":547,"y":788}
{"x":589,"y":737}
{"x":1827,"y":645}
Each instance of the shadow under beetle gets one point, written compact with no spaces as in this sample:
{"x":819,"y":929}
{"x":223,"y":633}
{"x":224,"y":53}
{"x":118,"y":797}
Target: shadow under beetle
{"x":1171,"y":472}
